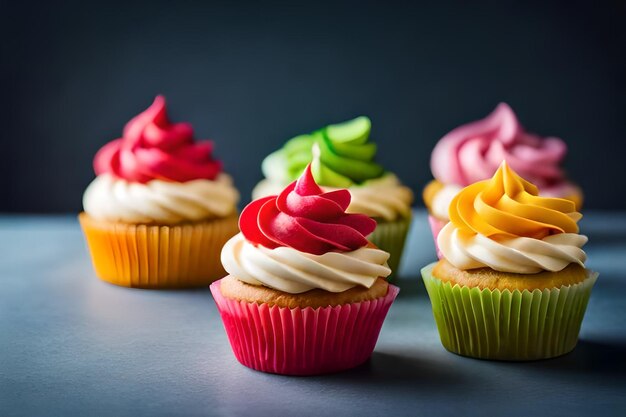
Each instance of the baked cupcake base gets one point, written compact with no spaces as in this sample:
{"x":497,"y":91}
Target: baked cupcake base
{"x":508,"y":324}
{"x":391,"y":237}
{"x":233,"y":288}
{"x":302,"y":340}
{"x":158,"y":256}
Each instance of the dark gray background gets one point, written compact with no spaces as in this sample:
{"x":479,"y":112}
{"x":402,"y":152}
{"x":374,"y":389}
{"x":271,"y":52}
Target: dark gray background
{"x":251,"y":75}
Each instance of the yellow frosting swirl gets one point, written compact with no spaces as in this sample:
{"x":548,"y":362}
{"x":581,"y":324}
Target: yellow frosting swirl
{"x":509,"y":206}
{"x":503,"y":224}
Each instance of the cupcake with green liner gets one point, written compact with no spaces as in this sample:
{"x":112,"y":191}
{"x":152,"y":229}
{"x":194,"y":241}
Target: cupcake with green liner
{"x":511,"y":284}
{"x":342,"y":156}
{"x":473,"y":152}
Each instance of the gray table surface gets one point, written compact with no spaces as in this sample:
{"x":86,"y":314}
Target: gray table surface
{"x":73,"y":345}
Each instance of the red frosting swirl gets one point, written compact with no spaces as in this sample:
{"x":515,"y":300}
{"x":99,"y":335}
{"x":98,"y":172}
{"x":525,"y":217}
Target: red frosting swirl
{"x":153,"y":148}
{"x":307,"y":219}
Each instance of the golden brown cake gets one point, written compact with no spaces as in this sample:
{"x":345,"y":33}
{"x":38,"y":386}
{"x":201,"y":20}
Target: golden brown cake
{"x":488,"y":278}
{"x":238,"y":290}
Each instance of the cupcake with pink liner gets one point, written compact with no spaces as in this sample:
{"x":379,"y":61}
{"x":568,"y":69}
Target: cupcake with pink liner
{"x":160,"y":208}
{"x":474,"y":151}
{"x":306,"y":292}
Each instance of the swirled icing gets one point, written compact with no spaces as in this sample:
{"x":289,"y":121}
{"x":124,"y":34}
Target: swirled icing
{"x":441,"y":200}
{"x":503,"y":224}
{"x":473,"y":152}
{"x":382,"y":198}
{"x":303,"y":239}
{"x":307,"y":219}
{"x":341,"y":156}
{"x":164,"y":202}
{"x":156,"y":173}
{"x":290,"y":270}
{"x":153,"y":148}
{"x":346,"y":156}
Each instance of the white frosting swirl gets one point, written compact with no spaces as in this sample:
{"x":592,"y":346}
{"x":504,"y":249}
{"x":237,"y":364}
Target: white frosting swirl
{"x":288,"y":270}
{"x":267,"y":187}
{"x":166,"y":202}
{"x":384,"y":198}
{"x":521,"y":255}
{"x":441,"y":201}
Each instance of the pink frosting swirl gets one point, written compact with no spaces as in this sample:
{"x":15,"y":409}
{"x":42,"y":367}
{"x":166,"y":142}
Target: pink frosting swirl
{"x":473,"y":152}
{"x":153,"y":148}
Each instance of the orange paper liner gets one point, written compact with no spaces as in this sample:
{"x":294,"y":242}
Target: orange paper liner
{"x":158,"y":256}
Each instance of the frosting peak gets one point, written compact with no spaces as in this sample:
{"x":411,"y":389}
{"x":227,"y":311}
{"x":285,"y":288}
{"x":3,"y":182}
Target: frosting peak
{"x":303,"y":239}
{"x":473,"y":152}
{"x":153,"y":148}
{"x":503,"y":223}
{"x":306,"y":218}
{"x":344,"y":156}
{"x":507,"y":205}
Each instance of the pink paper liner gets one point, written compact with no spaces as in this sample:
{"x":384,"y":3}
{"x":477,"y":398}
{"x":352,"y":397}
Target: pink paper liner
{"x":435,"y":226}
{"x":302,"y":341}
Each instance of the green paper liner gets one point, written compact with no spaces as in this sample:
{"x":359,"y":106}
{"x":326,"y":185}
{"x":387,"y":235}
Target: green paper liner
{"x":390,"y":237}
{"x":508,"y":325}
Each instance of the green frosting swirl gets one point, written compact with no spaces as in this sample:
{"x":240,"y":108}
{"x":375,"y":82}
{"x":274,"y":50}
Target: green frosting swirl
{"x":340,"y":156}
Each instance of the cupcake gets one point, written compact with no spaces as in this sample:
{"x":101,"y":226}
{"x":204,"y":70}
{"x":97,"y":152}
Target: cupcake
{"x":342,"y":156}
{"x":306,"y":292}
{"x":511,"y":284}
{"x":160,"y":208}
{"x":473,"y":152}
